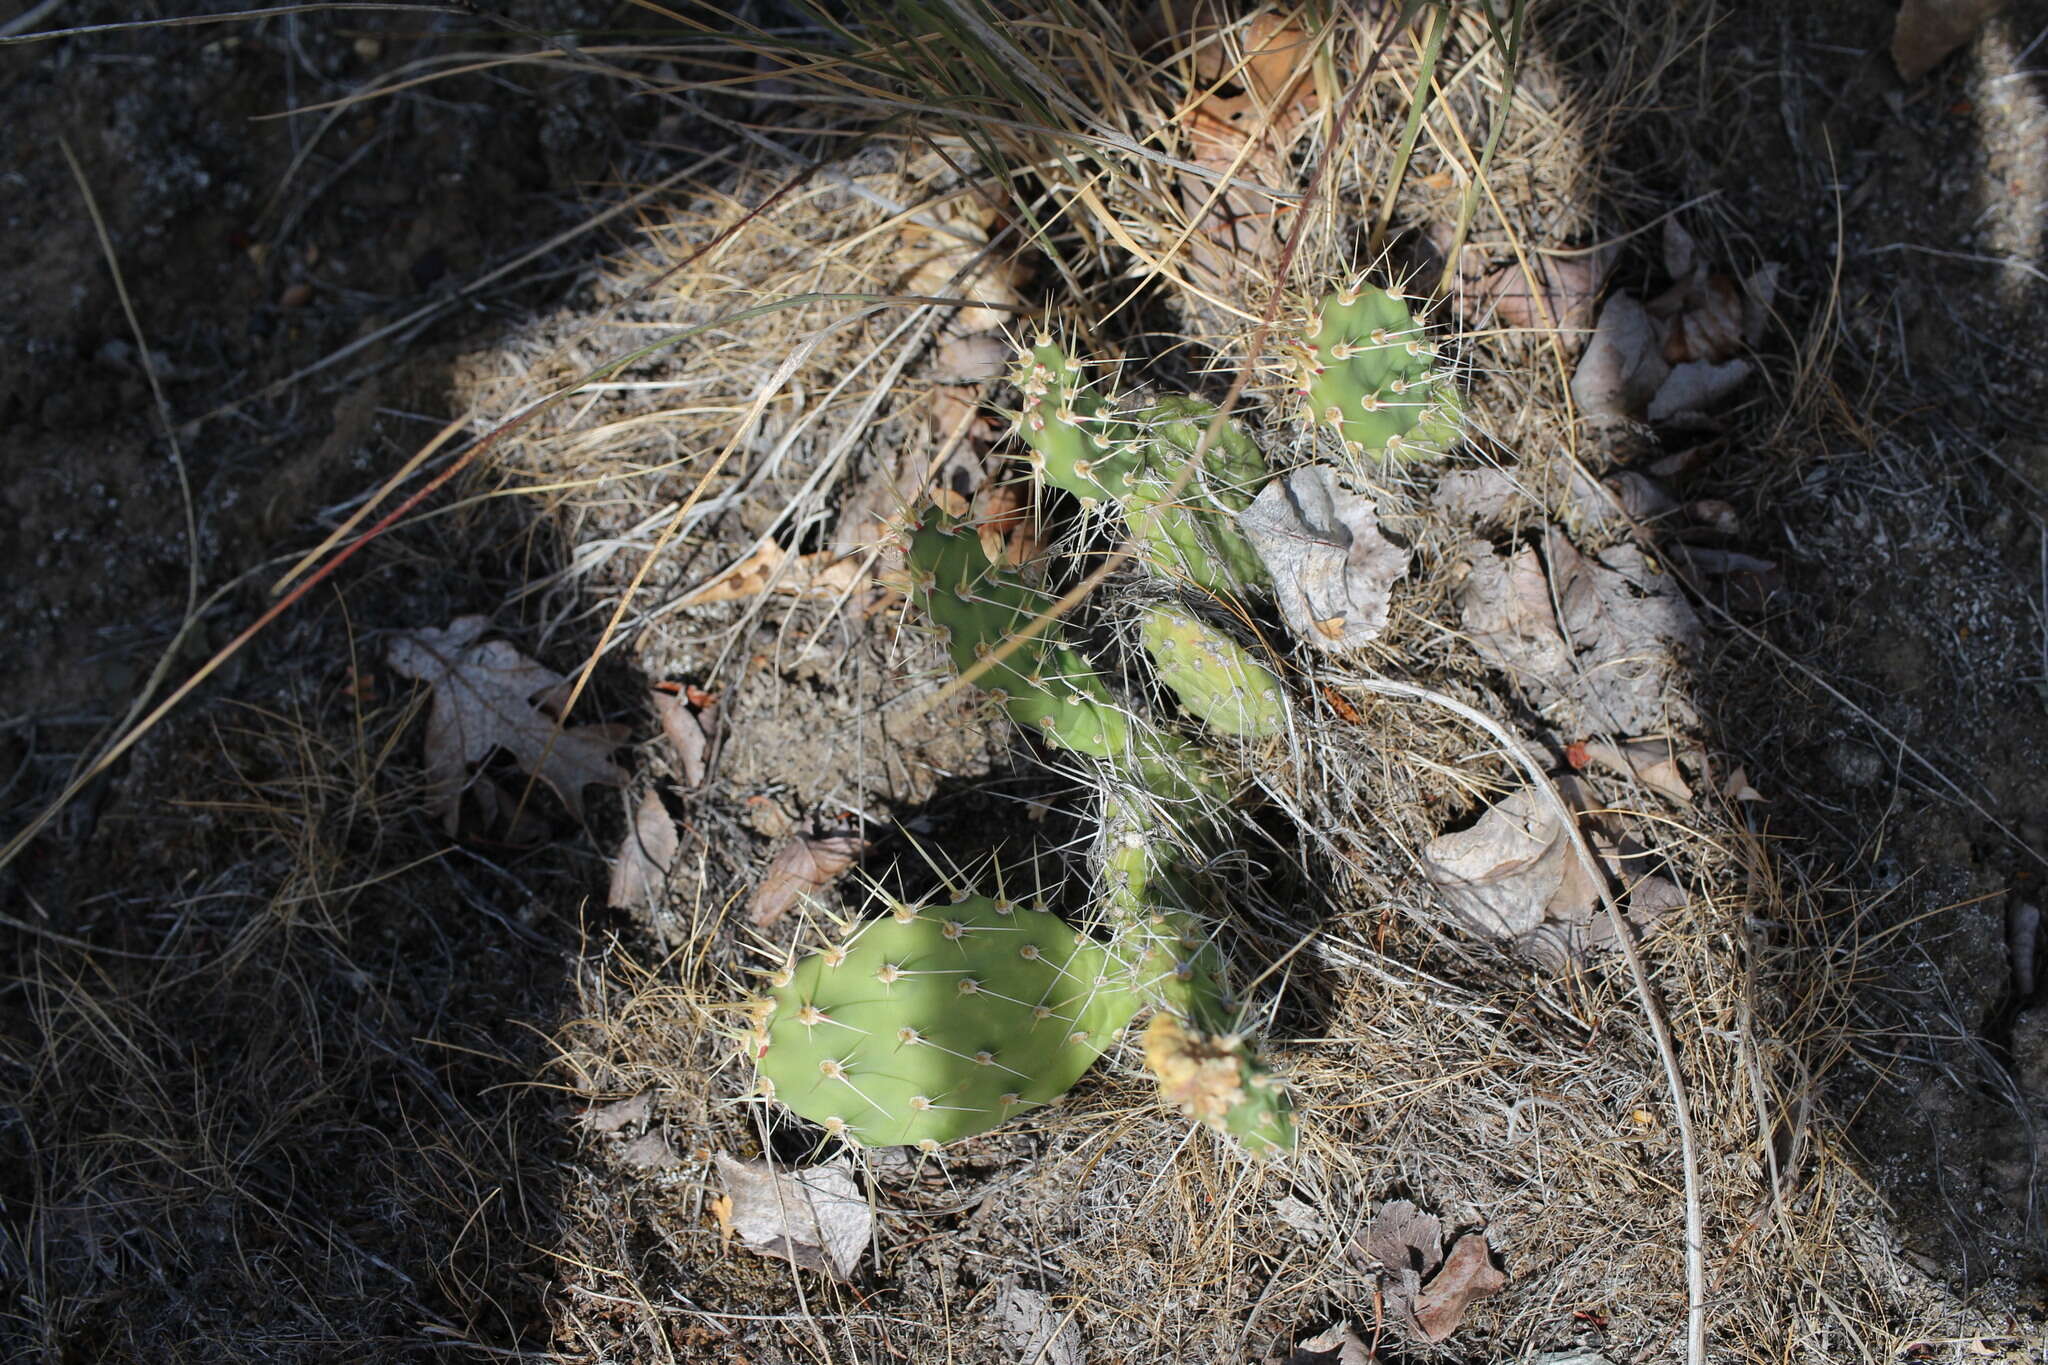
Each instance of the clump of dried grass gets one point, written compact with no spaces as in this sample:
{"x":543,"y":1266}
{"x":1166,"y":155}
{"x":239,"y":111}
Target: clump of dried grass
{"x":1429,"y":1066}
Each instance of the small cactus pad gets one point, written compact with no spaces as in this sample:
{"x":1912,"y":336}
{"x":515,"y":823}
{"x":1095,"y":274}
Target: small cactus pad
{"x":1217,"y":681}
{"x":1046,"y":687}
{"x":1074,"y":441}
{"x":1214,"y":1079}
{"x":937,"y":1023}
{"x":1370,"y":371}
{"x":1186,"y":519}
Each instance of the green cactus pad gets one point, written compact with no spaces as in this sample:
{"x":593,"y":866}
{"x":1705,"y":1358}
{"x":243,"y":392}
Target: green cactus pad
{"x":1186,"y":520}
{"x":938,"y":1023}
{"x":1370,"y":371}
{"x":1217,"y":681}
{"x":981,"y":606}
{"x":1075,"y":442}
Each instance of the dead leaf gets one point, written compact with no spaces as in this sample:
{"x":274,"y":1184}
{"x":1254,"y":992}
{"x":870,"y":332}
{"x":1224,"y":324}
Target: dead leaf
{"x":975,"y":359}
{"x":1592,"y":645}
{"x":944,"y":252}
{"x":1737,"y":787}
{"x":1468,"y":1274}
{"x":489,"y":696}
{"x":618,"y":1114}
{"x":650,"y":1151}
{"x":1515,"y":876}
{"x":1033,"y":1330}
{"x":770,"y":568}
{"x":1695,"y":386}
{"x":689,"y":730}
{"x":1333,"y":569}
{"x":1929,"y":30}
{"x":1652,"y":762}
{"x":1336,"y":1345}
{"x":1493,"y":496}
{"x":641,"y":866}
{"x":1247,"y":137}
{"x":1624,"y":364}
{"x":815,"y":1217}
{"x":1561,"y":296}
{"x":1426,"y":1291}
{"x":802,"y":867}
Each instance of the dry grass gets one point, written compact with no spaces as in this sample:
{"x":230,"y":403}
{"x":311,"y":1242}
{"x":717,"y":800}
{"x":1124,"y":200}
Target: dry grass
{"x":793,"y":400}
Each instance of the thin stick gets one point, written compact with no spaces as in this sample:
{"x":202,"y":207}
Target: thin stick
{"x":1624,"y":935}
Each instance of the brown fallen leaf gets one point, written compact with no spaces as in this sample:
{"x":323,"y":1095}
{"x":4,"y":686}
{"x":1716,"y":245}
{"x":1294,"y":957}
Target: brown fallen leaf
{"x":944,"y":252}
{"x":1593,"y":645}
{"x":802,"y":867}
{"x":1929,"y":30}
{"x":815,"y":1217}
{"x":768,"y":567}
{"x":1467,"y":1275}
{"x":1652,"y":762}
{"x":1562,"y":296}
{"x":689,"y":730}
{"x":1516,"y":876}
{"x":1624,"y":365}
{"x":1333,"y":569}
{"x":1335,"y":1345}
{"x":646,"y":854}
{"x":651,"y":1151}
{"x":975,"y":359}
{"x":487,"y":696}
{"x":1426,"y":1290}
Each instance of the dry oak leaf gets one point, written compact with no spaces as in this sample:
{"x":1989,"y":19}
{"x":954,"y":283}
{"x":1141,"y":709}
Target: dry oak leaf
{"x":1427,"y":1291}
{"x":1333,"y":569}
{"x":1593,"y":645}
{"x":815,"y":1217}
{"x":689,"y":731}
{"x":640,"y":868}
{"x":1560,"y":296}
{"x":802,"y":867}
{"x":487,"y":695}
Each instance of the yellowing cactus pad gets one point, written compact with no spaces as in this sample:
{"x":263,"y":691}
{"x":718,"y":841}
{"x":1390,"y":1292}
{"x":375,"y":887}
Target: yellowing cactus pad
{"x":937,"y":1023}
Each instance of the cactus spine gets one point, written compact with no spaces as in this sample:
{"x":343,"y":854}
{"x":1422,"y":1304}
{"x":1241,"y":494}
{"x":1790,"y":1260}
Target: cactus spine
{"x":1369,"y":370}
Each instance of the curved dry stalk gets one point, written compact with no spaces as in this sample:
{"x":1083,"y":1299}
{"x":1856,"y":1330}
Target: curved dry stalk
{"x":1624,"y":935}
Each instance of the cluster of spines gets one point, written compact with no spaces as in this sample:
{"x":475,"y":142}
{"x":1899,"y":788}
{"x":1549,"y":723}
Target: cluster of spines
{"x":1369,"y":371}
{"x":930,"y":1024}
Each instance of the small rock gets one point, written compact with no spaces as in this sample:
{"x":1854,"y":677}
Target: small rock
{"x":1856,"y":765}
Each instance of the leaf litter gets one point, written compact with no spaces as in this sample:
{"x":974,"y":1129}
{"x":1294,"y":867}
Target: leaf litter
{"x":1333,"y":568}
{"x":645,"y":857}
{"x":801,"y":869}
{"x":814,"y":1217}
{"x":489,"y":696}
{"x":1427,"y":1288}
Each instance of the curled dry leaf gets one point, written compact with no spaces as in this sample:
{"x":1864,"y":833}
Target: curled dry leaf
{"x":815,"y":1217}
{"x":1493,"y":496}
{"x":1335,"y":1345}
{"x":640,"y":868}
{"x":1652,"y":762}
{"x":630,"y":1112}
{"x":1592,"y":645}
{"x":1555,"y":292}
{"x":1515,"y":875}
{"x":1333,"y":569}
{"x":1245,"y":136}
{"x":1427,"y":1291}
{"x":689,"y":730}
{"x":1033,"y":1329}
{"x":802,"y":867}
{"x":770,"y":568}
{"x":1624,"y":364}
{"x":488,"y":696}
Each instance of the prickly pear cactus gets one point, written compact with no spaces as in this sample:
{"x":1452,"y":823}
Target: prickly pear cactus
{"x":936,"y":1023}
{"x":1181,"y":513}
{"x":1216,"y":680}
{"x":1370,"y":371}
